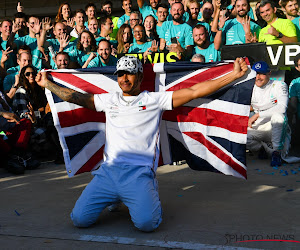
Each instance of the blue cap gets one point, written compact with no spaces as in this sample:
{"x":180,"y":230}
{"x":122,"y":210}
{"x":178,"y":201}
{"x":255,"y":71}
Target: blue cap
{"x":261,"y":67}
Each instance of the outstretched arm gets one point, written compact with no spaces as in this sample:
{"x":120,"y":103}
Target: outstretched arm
{"x":140,"y":3}
{"x":202,"y":89}
{"x":68,"y":95}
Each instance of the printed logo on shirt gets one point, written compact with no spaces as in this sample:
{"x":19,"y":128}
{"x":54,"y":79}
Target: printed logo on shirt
{"x":142,"y":107}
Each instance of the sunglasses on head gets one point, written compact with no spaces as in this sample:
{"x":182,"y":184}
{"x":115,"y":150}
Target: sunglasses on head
{"x":30,"y":73}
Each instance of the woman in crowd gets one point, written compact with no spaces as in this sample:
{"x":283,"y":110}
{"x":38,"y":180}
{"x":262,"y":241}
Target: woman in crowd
{"x":93,"y":27}
{"x":150,"y":28}
{"x":86,"y":45}
{"x":30,"y":102}
{"x":140,"y":45}
{"x":64,"y":12}
{"x":124,"y":37}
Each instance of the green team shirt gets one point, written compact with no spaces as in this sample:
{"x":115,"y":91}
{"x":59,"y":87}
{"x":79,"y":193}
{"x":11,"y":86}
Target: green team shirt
{"x":295,"y":21}
{"x":285,"y":26}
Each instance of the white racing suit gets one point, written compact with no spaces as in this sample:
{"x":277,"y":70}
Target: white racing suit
{"x":271,"y":129}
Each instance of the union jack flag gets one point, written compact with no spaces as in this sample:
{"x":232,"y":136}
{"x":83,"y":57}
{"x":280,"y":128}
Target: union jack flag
{"x":210,"y":133}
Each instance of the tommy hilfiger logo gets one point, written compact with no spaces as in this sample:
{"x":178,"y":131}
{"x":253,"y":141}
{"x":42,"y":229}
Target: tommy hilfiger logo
{"x":142,"y":107}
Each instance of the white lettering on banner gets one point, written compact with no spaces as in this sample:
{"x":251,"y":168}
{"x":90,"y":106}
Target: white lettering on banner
{"x":288,"y":53}
{"x":274,"y":60}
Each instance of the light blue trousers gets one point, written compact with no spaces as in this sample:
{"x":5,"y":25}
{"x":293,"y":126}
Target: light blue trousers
{"x":135,"y":186}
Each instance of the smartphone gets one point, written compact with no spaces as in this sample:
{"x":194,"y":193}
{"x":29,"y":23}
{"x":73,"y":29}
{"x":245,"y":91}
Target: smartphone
{"x":173,"y":40}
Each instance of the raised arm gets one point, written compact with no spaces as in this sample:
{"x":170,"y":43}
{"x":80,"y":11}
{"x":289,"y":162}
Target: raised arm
{"x":68,"y":95}
{"x":140,"y":3}
{"x":206,"y":88}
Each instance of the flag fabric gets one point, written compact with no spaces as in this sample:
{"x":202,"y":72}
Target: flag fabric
{"x":210,"y":133}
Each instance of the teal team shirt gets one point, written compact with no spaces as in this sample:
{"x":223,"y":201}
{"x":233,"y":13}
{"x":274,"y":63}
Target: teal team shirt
{"x":183,"y":33}
{"x":96,"y":62}
{"x":32,"y":44}
{"x":296,"y":22}
{"x":210,"y":54}
{"x":294,"y":91}
{"x":11,"y":61}
{"x":122,"y":20}
{"x":139,"y":48}
{"x":78,"y":56}
{"x":55,"y":45}
{"x":147,"y":10}
{"x":233,"y":32}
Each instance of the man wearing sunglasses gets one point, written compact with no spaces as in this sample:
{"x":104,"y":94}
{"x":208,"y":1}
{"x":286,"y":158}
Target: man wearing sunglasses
{"x":132,"y":141}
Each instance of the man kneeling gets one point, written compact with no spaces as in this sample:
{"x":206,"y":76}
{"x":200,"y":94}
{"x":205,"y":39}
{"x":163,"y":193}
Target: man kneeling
{"x":267,"y":127}
{"x":132,"y":141}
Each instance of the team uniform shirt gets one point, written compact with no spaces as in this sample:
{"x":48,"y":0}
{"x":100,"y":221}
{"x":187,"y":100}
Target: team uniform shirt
{"x":233,"y":32}
{"x":97,"y":62}
{"x":159,"y":30}
{"x":78,"y":56}
{"x":270,"y":99}
{"x":294,"y":91}
{"x":54,"y":43}
{"x":32,"y":43}
{"x":210,"y":54}
{"x":9,"y":81}
{"x":113,"y":35}
{"x":183,"y":33}
{"x":132,"y":127}
{"x":11,"y":61}
{"x":296,"y":21}
{"x":139,"y":48}
{"x":147,"y":10}
{"x":13,"y":70}
{"x":285,"y":26}
{"x":122,"y":20}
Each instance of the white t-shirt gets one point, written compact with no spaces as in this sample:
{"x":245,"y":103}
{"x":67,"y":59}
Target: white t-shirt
{"x":132,"y":126}
{"x":269,"y":99}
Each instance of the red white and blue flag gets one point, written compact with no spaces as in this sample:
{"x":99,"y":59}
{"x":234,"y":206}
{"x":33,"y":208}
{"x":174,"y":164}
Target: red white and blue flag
{"x":209,"y":133}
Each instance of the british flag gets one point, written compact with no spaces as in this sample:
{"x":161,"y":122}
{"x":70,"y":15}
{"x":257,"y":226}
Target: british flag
{"x":210,"y":133}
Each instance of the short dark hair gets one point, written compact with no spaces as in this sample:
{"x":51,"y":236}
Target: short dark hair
{"x":198,"y":26}
{"x":162,"y":5}
{"x":296,"y":60}
{"x":265,"y":2}
{"x":106,"y":2}
{"x":104,"y":40}
{"x":62,"y":53}
{"x":79,"y":11}
{"x":24,"y":47}
{"x":6,"y":20}
{"x":90,"y":5}
{"x":20,"y":15}
{"x":103,"y":19}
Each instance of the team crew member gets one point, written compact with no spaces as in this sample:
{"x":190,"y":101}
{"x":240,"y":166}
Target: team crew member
{"x":132,"y":139}
{"x":278,"y":30}
{"x":266,"y":128}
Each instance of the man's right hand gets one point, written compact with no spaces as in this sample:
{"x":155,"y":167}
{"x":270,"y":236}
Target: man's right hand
{"x":240,"y":67}
{"x":42,"y":79}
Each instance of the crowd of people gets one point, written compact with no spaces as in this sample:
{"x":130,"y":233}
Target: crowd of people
{"x":195,"y":31}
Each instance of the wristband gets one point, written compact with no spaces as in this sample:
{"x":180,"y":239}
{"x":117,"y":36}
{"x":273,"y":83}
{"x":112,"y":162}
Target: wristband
{"x":280,"y":35}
